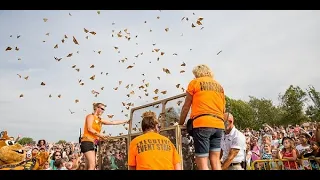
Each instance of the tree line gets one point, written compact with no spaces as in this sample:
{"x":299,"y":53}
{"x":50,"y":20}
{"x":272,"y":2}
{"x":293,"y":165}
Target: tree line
{"x":29,"y":140}
{"x":296,"y":106}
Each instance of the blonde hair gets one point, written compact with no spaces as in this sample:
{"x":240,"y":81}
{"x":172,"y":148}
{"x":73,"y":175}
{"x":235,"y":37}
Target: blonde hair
{"x":267,"y":138}
{"x":202,"y":70}
{"x":96,"y":105}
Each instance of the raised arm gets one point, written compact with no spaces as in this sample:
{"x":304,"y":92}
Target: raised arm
{"x":304,"y":131}
{"x":271,"y":129}
{"x":108,"y":122}
{"x":185,"y":108}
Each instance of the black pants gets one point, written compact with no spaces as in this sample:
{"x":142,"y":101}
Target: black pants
{"x":86,"y":146}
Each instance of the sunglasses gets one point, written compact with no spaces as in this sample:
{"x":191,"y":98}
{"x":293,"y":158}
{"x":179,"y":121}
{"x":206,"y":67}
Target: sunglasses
{"x":101,"y":108}
{"x":58,"y":155}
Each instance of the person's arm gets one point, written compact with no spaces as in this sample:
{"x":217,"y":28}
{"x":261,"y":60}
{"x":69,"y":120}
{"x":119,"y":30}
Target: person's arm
{"x":177,"y":166}
{"x":185,"y":108}
{"x":89,"y":121}
{"x":188,"y":102}
{"x":299,"y":155}
{"x":108,"y":122}
{"x":257,"y":154}
{"x":280,"y":155}
{"x":294,"y":158}
{"x":72,"y":147}
{"x":304,"y":131}
{"x":271,"y":129}
{"x":176,"y":158}
{"x":232,"y":154}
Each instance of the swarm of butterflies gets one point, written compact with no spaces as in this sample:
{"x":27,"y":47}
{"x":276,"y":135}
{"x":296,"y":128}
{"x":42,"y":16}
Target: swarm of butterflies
{"x":120,"y":34}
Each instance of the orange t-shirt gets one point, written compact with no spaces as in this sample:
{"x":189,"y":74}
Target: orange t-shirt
{"x":208,"y":98}
{"x":152,"y":151}
{"x":96,"y":125}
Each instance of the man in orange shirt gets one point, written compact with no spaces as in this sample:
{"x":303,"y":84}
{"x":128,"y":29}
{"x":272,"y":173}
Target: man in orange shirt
{"x":152,"y":151}
{"x":206,"y":98}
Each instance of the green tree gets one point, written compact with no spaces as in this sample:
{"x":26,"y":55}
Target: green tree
{"x":25,"y":140}
{"x":242,"y":113}
{"x":61,"y":142}
{"x":265,"y":112}
{"x":313,"y":111}
{"x":292,"y":103}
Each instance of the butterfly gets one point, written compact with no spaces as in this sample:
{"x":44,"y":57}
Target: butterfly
{"x":166,"y":70}
{"x":75,"y":40}
{"x":93,"y":77}
{"x":110,"y":116}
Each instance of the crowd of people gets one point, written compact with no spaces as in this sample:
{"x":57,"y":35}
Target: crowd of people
{"x":113,"y":154}
{"x":62,"y":156}
{"x":296,"y":145}
{"x":210,"y":140}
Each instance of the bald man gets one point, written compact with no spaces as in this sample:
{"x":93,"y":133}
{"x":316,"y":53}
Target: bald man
{"x":233,"y":146}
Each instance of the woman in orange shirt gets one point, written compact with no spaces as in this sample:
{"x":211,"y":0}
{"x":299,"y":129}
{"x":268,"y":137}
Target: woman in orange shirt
{"x":206,"y":98}
{"x":92,"y":133}
{"x":151,"y":150}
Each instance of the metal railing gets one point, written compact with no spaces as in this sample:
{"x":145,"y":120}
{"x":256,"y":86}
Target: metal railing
{"x":284,"y":164}
{"x":164,"y":108}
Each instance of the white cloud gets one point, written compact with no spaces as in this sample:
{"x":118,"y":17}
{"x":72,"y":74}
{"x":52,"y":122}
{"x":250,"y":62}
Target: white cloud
{"x":263,"y":52}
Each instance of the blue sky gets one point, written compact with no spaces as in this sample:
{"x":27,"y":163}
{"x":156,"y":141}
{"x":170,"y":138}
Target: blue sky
{"x":263,"y":52}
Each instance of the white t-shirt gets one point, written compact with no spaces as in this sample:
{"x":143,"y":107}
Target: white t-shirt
{"x":235,"y":139}
{"x":301,"y":148}
{"x":275,"y":143}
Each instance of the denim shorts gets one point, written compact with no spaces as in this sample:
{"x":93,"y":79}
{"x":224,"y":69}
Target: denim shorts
{"x":206,"y":140}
